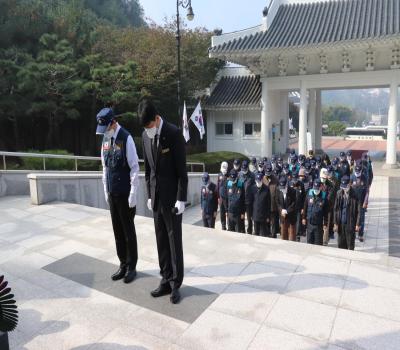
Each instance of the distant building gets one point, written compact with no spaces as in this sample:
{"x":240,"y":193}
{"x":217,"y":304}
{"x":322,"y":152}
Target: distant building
{"x":302,"y":47}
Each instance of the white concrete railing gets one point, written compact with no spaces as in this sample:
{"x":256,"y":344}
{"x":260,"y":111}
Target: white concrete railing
{"x":87,"y":189}
{"x":45,"y":156}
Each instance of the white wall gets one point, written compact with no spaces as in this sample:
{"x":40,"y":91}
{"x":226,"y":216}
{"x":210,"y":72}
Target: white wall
{"x":249,"y":146}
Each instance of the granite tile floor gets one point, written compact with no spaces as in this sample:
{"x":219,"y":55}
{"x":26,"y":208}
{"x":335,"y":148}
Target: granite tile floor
{"x":269,"y":294}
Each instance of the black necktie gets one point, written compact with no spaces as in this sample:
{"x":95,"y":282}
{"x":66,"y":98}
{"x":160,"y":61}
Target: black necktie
{"x":155,"y":147}
{"x":112,"y":141}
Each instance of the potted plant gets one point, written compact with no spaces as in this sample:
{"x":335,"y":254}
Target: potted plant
{"x":8,"y":313}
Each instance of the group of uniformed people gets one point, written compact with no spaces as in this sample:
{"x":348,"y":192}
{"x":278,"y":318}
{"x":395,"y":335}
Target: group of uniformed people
{"x":310,"y":196}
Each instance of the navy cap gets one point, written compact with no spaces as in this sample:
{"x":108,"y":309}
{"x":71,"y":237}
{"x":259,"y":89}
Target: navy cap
{"x":236,"y":162}
{"x":307,"y":165}
{"x":259,"y":176}
{"x":317,"y":184}
{"x":273,"y":158}
{"x":342,"y":154}
{"x":254,"y":160}
{"x":205,"y":177}
{"x":313,"y":162}
{"x":104,"y":119}
{"x":344,"y":182}
{"x":282,"y":181}
{"x":268,"y":169}
{"x":318,"y":159}
{"x":349,"y":153}
{"x":233,"y":174}
{"x":280,"y":159}
{"x":293,"y":152}
{"x":330,"y":169}
{"x":245,"y":164}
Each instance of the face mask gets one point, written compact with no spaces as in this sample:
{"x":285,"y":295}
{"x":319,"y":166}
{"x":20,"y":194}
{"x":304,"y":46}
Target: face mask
{"x":236,"y":167}
{"x":323,"y":180}
{"x":260,"y":168}
{"x":151,"y":132}
{"x":317,"y":192}
{"x":252,"y":168}
{"x":223,"y":171}
{"x":234,"y":181}
{"x":245,"y":171}
{"x":258,"y":183}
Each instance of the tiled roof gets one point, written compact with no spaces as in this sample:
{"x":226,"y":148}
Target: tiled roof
{"x":235,"y":92}
{"x":306,"y":24}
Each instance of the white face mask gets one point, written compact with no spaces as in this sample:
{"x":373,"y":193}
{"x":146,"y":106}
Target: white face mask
{"x":224,"y":171}
{"x":317,"y":192}
{"x":252,"y":168}
{"x":151,"y":132}
{"x":258,"y":183}
{"x":260,"y":168}
{"x":323,"y":180}
{"x":236,"y":167}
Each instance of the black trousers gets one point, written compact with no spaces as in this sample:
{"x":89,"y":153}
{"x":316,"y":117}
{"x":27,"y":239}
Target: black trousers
{"x":315,"y":234}
{"x":122,"y":218}
{"x":346,"y":238}
{"x":208,"y":221}
{"x":275,"y":227}
{"x":222,"y":212}
{"x":261,"y":228}
{"x":234,"y":222}
{"x":168,"y":229}
{"x":249,"y":214}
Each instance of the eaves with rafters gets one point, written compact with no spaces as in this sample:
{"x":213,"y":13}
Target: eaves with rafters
{"x":318,"y":38}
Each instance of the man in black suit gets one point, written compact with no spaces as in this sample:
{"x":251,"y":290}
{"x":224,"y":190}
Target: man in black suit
{"x":166,"y":183}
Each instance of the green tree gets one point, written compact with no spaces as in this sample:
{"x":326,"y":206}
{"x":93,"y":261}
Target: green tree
{"x":336,"y":128}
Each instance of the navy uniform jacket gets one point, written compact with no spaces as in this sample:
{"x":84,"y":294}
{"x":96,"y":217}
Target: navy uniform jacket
{"x":209,"y":199}
{"x":360,"y":186}
{"x":261,"y":203}
{"x":248,"y":181}
{"x":236,"y":198}
{"x":316,"y":209}
{"x":222,"y":189}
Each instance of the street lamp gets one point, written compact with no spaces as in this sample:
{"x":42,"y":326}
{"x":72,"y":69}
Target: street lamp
{"x":187,"y":4}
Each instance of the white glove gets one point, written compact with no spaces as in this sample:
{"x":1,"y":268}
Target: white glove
{"x":149,"y":204}
{"x":180,"y":206}
{"x":132,"y":200}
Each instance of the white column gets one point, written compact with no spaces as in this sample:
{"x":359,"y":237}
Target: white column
{"x":303,"y":119}
{"x":265,"y":125}
{"x":318,"y":121}
{"x":312,"y":115}
{"x":392,"y":126}
{"x":284,"y":112}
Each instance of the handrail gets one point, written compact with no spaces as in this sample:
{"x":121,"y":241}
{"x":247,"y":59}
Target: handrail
{"x":45,"y":156}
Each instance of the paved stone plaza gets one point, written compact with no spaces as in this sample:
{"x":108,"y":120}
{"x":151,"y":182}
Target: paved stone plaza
{"x":240,"y":291}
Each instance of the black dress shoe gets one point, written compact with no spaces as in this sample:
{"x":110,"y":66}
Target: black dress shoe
{"x":129,"y":276}
{"x":163,"y":289}
{"x":119,"y":274}
{"x":175,"y":296}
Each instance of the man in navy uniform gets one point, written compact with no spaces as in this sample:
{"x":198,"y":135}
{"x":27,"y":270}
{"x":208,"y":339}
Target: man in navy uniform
{"x":223,"y":193}
{"x":346,"y":214}
{"x":209,"y":201}
{"x":360,"y":185}
{"x":315,"y":213}
{"x":120,"y":180}
{"x":286,"y":204}
{"x":247,"y":178}
{"x":236,"y":207}
{"x":261,"y":206}
{"x":166,"y":184}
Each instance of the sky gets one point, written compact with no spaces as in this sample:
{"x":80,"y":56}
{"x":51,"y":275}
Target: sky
{"x":229,"y":15}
